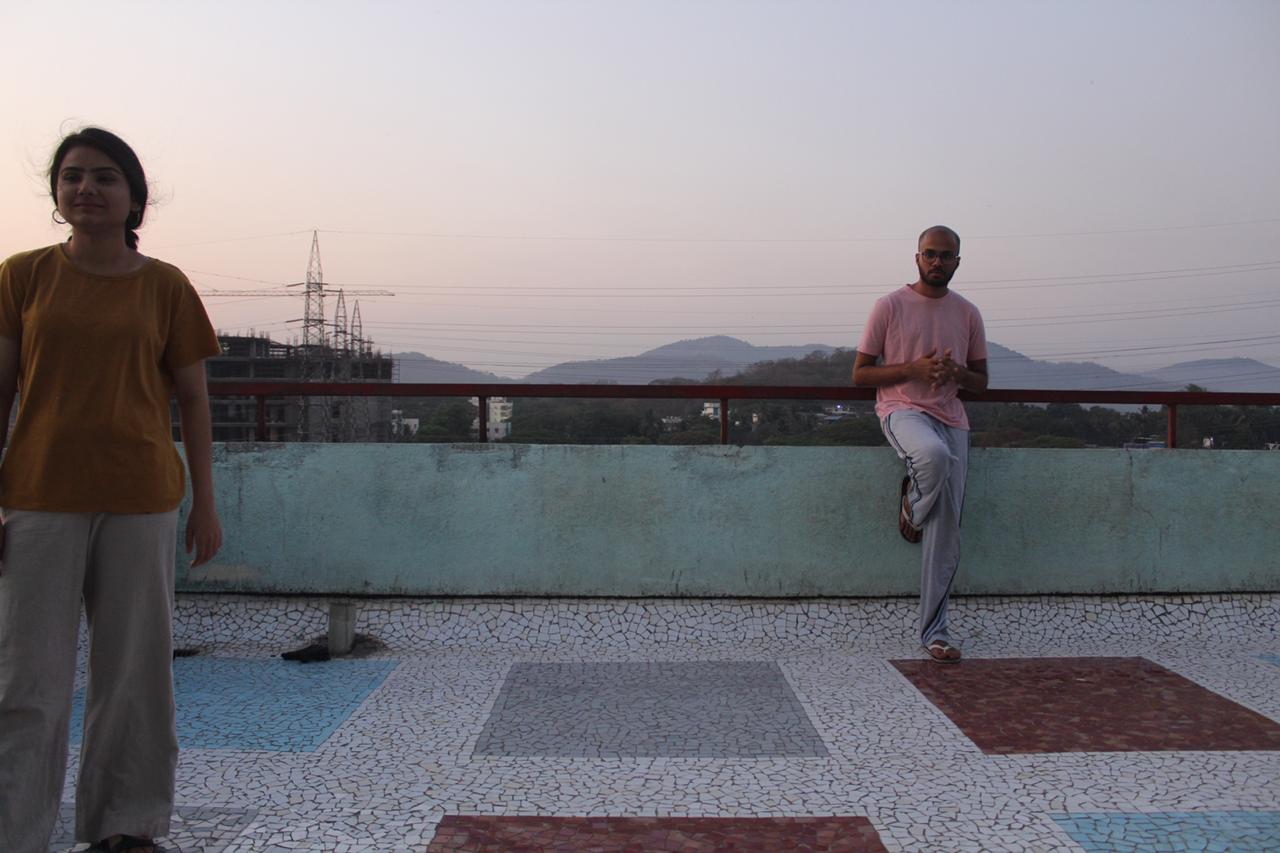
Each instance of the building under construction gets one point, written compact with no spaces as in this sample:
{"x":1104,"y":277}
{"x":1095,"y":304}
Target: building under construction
{"x":252,"y":357}
{"x":330,"y":351}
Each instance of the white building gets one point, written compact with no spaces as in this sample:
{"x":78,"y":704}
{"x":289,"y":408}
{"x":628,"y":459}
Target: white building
{"x":499,"y":426}
{"x":402,"y":426}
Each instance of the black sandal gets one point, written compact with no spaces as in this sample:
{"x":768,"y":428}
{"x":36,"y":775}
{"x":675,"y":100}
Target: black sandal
{"x":127,"y":842}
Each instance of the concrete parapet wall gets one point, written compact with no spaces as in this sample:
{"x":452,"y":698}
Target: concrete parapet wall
{"x":547,"y":520}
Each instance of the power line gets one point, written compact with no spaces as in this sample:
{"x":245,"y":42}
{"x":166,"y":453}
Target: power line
{"x":1155,"y":313}
{"x":448,"y":235}
{"x":470,"y":236}
{"x":461,"y":344}
{"x":190,"y":272}
{"x":235,"y":239}
{"x":794,"y":289}
{"x":791,"y":291}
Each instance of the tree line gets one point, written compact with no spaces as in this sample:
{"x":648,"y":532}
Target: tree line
{"x":780,"y":422}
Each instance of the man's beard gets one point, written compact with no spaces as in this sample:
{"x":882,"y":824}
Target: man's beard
{"x":941,"y":277}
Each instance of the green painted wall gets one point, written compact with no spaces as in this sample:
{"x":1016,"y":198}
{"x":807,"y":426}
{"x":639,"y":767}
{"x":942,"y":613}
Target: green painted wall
{"x":724,"y":521}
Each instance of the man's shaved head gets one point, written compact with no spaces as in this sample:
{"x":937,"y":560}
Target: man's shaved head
{"x":939,"y":229}
{"x":937,"y":256}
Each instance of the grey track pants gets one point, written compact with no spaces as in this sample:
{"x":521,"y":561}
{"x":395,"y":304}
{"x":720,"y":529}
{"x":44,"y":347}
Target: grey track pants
{"x":122,"y":568}
{"x":937,"y":458}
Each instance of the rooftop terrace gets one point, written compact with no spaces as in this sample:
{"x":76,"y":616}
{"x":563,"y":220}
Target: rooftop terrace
{"x":1075,"y":723}
{"x":673,"y":648}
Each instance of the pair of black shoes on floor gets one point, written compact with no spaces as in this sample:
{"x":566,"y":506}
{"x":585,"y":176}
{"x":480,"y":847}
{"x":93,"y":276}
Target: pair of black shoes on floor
{"x":127,"y":842}
{"x":308,"y":654}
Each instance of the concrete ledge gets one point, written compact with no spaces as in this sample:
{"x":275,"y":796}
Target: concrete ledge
{"x":535,"y":520}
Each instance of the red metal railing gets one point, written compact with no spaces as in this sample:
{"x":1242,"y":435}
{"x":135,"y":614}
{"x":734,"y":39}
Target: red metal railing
{"x":724,"y":393}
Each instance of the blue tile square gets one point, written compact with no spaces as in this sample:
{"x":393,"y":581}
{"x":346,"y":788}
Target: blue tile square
{"x":1274,"y":659}
{"x":269,"y":705}
{"x":1140,"y":832}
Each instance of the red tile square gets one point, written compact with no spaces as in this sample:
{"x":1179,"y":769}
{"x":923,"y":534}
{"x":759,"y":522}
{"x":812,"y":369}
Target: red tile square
{"x":498,"y":834}
{"x":1023,"y":705}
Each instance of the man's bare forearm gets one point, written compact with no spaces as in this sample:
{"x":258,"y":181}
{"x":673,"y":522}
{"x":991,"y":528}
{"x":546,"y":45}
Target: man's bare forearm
{"x":971,"y":380}
{"x":926,"y":369}
{"x":879,"y":375}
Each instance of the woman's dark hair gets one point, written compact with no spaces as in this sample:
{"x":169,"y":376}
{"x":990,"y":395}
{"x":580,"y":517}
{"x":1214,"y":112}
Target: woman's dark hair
{"x":122,"y":155}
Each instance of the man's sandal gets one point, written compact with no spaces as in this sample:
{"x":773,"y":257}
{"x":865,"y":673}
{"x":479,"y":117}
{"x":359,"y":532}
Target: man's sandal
{"x":943,"y":652}
{"x":909,"y":531}
{"x":122,"y":843}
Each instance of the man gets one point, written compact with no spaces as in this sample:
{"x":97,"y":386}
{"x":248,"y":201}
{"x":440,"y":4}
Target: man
{"x":929,"y":343}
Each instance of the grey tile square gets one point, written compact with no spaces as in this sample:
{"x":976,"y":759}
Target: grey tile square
{"x":702,"y":709}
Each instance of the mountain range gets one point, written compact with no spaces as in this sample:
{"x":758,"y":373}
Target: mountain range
{"x":699,"y":358}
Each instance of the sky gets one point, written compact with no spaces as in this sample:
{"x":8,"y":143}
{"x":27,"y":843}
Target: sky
{"x":545,"y":181}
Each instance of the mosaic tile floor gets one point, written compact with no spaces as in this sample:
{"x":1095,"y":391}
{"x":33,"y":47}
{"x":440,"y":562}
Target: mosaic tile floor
{"x":1087,"y":704}
{"x":273,"y":705}
{"x":654,"y":835}
{"x":1219,"y":832}
{"x":730,"y":726}
{"x":709,"y":709}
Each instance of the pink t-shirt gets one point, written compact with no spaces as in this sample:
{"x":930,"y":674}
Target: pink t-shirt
{"x":904,"y":326}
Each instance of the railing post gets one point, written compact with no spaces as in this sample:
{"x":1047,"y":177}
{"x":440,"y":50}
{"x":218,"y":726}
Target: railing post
{"x":484,"y":418}
{"x":1171,"y":439}
{"x":262,"y":417}
{"x":724,"y":420}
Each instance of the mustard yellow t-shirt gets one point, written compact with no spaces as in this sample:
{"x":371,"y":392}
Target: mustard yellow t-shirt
{"x":95,"y":376}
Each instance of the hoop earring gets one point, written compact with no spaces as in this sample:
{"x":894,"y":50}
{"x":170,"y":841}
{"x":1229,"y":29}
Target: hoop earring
{"x":54,"y":217}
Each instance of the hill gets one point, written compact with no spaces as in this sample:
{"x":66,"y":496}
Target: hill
{"x":720,"y":355}
{"x":1221,"y":374}
{"x":416,"y":367}
{"x":689,"y":359}
{"x":1011,"y":369}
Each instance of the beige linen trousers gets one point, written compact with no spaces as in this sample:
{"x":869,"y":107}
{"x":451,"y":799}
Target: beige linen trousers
{"x":121,"y":567}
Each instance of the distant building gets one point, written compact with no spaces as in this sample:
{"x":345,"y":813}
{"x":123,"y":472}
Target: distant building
{"x":499,"y":425}
{"x":499,"y":431}
{"x":839,"y":411}
{"x":1145,"y":442}
{"x":245,"y":358}
{"x":711,"y":409}
{"x":402,"y":427}
{"x":500,"y":409}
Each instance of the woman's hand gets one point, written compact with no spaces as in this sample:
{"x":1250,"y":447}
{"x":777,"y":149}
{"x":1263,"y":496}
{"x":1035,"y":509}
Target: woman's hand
{"x":204,"y":532}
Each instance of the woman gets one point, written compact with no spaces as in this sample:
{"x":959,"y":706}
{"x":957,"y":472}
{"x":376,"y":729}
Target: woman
{"x":97,"y":337}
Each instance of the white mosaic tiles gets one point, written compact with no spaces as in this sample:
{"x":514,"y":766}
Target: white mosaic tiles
{"x":605,"y":625}
{"x":409,"y":753}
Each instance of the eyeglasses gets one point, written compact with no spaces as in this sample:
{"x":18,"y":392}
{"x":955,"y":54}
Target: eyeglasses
{"x":946,"y":257}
